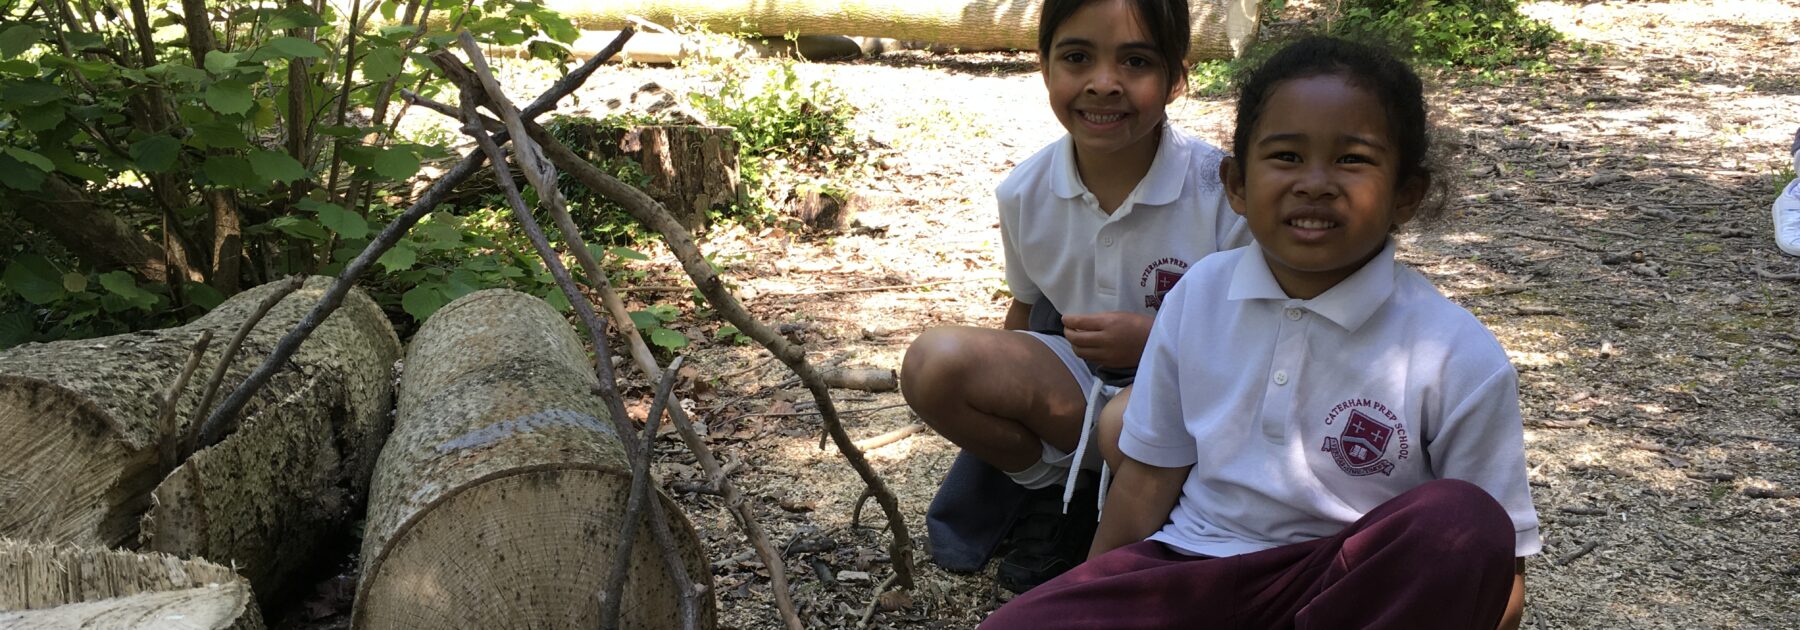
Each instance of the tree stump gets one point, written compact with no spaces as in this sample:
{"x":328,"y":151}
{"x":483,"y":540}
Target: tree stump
{"x":80,"y":437}
{"x":45,"y":586}
{"x":691,"y":169}
{"x":497,"y":502}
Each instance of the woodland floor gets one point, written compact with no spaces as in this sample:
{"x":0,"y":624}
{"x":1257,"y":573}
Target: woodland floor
{"x":1611,"y":225}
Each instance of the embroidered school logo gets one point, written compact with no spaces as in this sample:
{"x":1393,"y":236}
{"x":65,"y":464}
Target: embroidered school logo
{"x":1364,"y":446}
{"x":1163,"y":273}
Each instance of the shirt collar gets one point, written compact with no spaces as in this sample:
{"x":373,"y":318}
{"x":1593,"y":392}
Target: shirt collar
{"x":1161,"y":184}
{"x":1348,"y":304}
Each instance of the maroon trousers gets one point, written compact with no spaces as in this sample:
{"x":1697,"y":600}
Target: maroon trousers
{"x":1438,"y":556}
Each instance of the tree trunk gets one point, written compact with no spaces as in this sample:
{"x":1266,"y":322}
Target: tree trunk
{"x":100,"y":237}
{"x":692,"y":169}
{"x":80,"y":435}
{"x":1221,"y":28}
{"x":497,"y":502}
{"x":53,"y":586}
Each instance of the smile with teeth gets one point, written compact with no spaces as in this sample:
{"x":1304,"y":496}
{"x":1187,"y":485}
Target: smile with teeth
{"x":1312,"y":224}
{"x":1101,"y":118}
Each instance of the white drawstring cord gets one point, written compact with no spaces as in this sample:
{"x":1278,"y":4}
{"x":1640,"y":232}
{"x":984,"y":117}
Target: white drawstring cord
{"x":1096,"y":399}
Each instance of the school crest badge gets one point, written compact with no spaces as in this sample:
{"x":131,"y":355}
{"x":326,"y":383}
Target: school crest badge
{"x":1365,"y":445}
{"x":1159,"y":278}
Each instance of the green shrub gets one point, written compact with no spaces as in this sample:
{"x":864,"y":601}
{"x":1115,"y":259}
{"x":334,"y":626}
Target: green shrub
{"x":1466,"y":33}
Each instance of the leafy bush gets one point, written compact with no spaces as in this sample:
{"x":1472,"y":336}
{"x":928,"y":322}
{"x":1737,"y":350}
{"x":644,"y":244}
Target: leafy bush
{"x":1467,"y":33}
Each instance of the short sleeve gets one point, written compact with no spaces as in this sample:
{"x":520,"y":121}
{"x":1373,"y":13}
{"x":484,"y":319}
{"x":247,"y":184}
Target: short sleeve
{"x":1155,"y":430}
{"x":1017,"y":281}
{"x":1482,"y":441}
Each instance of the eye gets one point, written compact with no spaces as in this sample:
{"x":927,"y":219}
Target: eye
{"x":1285,"y":156}
{"x":1139,"y":62}
{"x":1355,"y":158}
{"x":1075,"y":56}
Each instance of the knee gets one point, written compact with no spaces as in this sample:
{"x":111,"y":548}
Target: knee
{"x":932,"y":365}
{"x":1463,"y":518}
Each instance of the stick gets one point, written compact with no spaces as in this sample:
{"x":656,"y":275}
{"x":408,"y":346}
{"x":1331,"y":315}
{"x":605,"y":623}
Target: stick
{"x":542,"y":177}
{"x":596,"y":327}
{"x":171,"y":446}
{"x":813,"y":412}
{"x":753,"y":367}
{"x":1585,"y":549}
{"x":869,"y":612}
{"x":890,"y":437}
{"x":1767,"y":274}
{"x":1578,"y":244}
{"x":613,"y":594}
{"x":651,"y":213}
{"x":383,"y":242}
{"x":209,"y":433}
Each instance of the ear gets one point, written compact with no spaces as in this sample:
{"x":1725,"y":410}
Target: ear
{"x":1179,"y":86}
{"x":1408,"y":199}
{"x":1231,"y":173}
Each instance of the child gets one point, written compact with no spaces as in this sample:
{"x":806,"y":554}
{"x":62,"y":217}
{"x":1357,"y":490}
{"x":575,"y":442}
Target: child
{"x":1097,"y":226}
{"x":1318,"y":439}
{"x":1787,"y":209}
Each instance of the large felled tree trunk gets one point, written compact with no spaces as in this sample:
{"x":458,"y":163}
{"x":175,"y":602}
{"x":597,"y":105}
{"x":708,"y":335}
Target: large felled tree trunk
{"x":498,"y":500}
{"x":1221,"y":28}
{"x":48,"y":587}
{"x":692,"y":169}
{"x":80,"y":437}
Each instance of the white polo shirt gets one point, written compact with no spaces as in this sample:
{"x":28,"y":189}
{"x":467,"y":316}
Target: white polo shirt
{"x":1301,"y":416}
{"x":1058,"y":243}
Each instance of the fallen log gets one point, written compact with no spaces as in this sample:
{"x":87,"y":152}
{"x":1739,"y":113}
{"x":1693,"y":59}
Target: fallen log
{"x":498,"y":499}
{"x":81,"y":439}
{"x":44,"y":586}
{"x":1221,"y":28}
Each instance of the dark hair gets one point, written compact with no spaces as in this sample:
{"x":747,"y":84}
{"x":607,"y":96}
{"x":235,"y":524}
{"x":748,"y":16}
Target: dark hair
{"x":1165,"y":20}
{"x":1391,"y":80}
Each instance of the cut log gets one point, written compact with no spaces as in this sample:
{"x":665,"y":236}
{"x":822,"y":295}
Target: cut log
{"x":498,"y":500}
{"x":692,"y":170}
{"x":80,"y":437}
{"x":1221,"y":28}
{"x":45,"y":586}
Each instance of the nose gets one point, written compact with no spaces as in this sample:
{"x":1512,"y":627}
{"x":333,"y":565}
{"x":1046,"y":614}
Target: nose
{"x":1104,"y":82}
{"x":1314,"y":182}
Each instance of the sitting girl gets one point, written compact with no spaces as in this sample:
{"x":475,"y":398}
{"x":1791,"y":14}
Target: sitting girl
{"x":1318,"y":439}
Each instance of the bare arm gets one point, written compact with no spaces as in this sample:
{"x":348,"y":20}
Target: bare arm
{"x":1018,"y":316}
{"x":1138,"y":504}
{"x":1515,"y":605}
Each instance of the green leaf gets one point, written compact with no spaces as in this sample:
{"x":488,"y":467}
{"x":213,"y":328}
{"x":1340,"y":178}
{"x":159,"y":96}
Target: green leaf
{"x":294,"y":47}
{"x":203,"y":296}
{"x":400,"y":258}
{"x":346,"y":223}
{"x":42,"y":163}
{"x":664,"y":312}
{"x":156,"y":153}
{"x":439,"y":234}
{"x":35,"y":279}
{"x":628,"y":253}
{"x":19,"y":67}
{"x":219,"y":135}
{"x":74,"y":282}
{"x":230,"y":171}
{"x":220,"y":62}
{"x":666,"y":338}
{"x":17,"y":175}
{"x":17,"y":39}
{"x":556,"y":299}
{"x":382,"y":63}
{"x":30,"y":92}
{"x":397,"y":163}
{"x":229,"y":97}
{"x":42,"y":117}
{"x":420,"y":302}
{"x":643,"y":320}
{"x":16,"y":327}
{"x":300,"y":228}
{"x":277,"y":166}
{"x":294,"y":16}
{"x":123,"y":285}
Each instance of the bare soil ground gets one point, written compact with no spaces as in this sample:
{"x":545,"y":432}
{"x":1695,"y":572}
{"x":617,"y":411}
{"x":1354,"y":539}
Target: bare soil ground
{"x":1611,"y":225}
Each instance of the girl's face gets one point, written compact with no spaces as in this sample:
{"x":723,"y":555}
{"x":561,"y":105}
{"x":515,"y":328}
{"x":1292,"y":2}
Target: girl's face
{"x":1318,"y":184}
{"x":1107,"y":83}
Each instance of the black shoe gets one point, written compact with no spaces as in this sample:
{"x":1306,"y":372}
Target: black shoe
{"x":1044,"y":542}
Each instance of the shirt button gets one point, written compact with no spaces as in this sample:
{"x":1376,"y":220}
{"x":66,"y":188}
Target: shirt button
{"x":1107,"y":241}
{"x":1281,"y":377}
{"x":1293,"y":314}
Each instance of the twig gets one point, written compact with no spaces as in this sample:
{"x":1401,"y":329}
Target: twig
{"x":856,"y":513}
{"x":890,"y":437}
{"x":814,"y":412}
{"x":753,"y":367}
{"x":209,"y":434}
{"x":613,"y":594}
{"x":1577,"y":243}
{"x":542,"y":176}
{"x":1585,"y":549}
{"x":651,"y":213}
{"x":427,"y":202}
{"x":869,"y":612}
{"x":890,"y":287}
{"x":1768,"y":274}
{"x":171,"y":446}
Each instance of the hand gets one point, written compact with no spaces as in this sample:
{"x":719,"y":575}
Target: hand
{"x":1112,"y":339}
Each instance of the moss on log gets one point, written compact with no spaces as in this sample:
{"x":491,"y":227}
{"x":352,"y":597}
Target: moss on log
{"x":44,"y":586}
{"x":498,"y":499}
{"x":80,"y":436}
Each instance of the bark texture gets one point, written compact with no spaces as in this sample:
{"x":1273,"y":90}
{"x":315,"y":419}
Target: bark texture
{"x":692,"y":170}
{"x":1221,"y":28}
{"x":46,"y":586}
{"x":80,"y":437}
{"x":498,"y":499}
